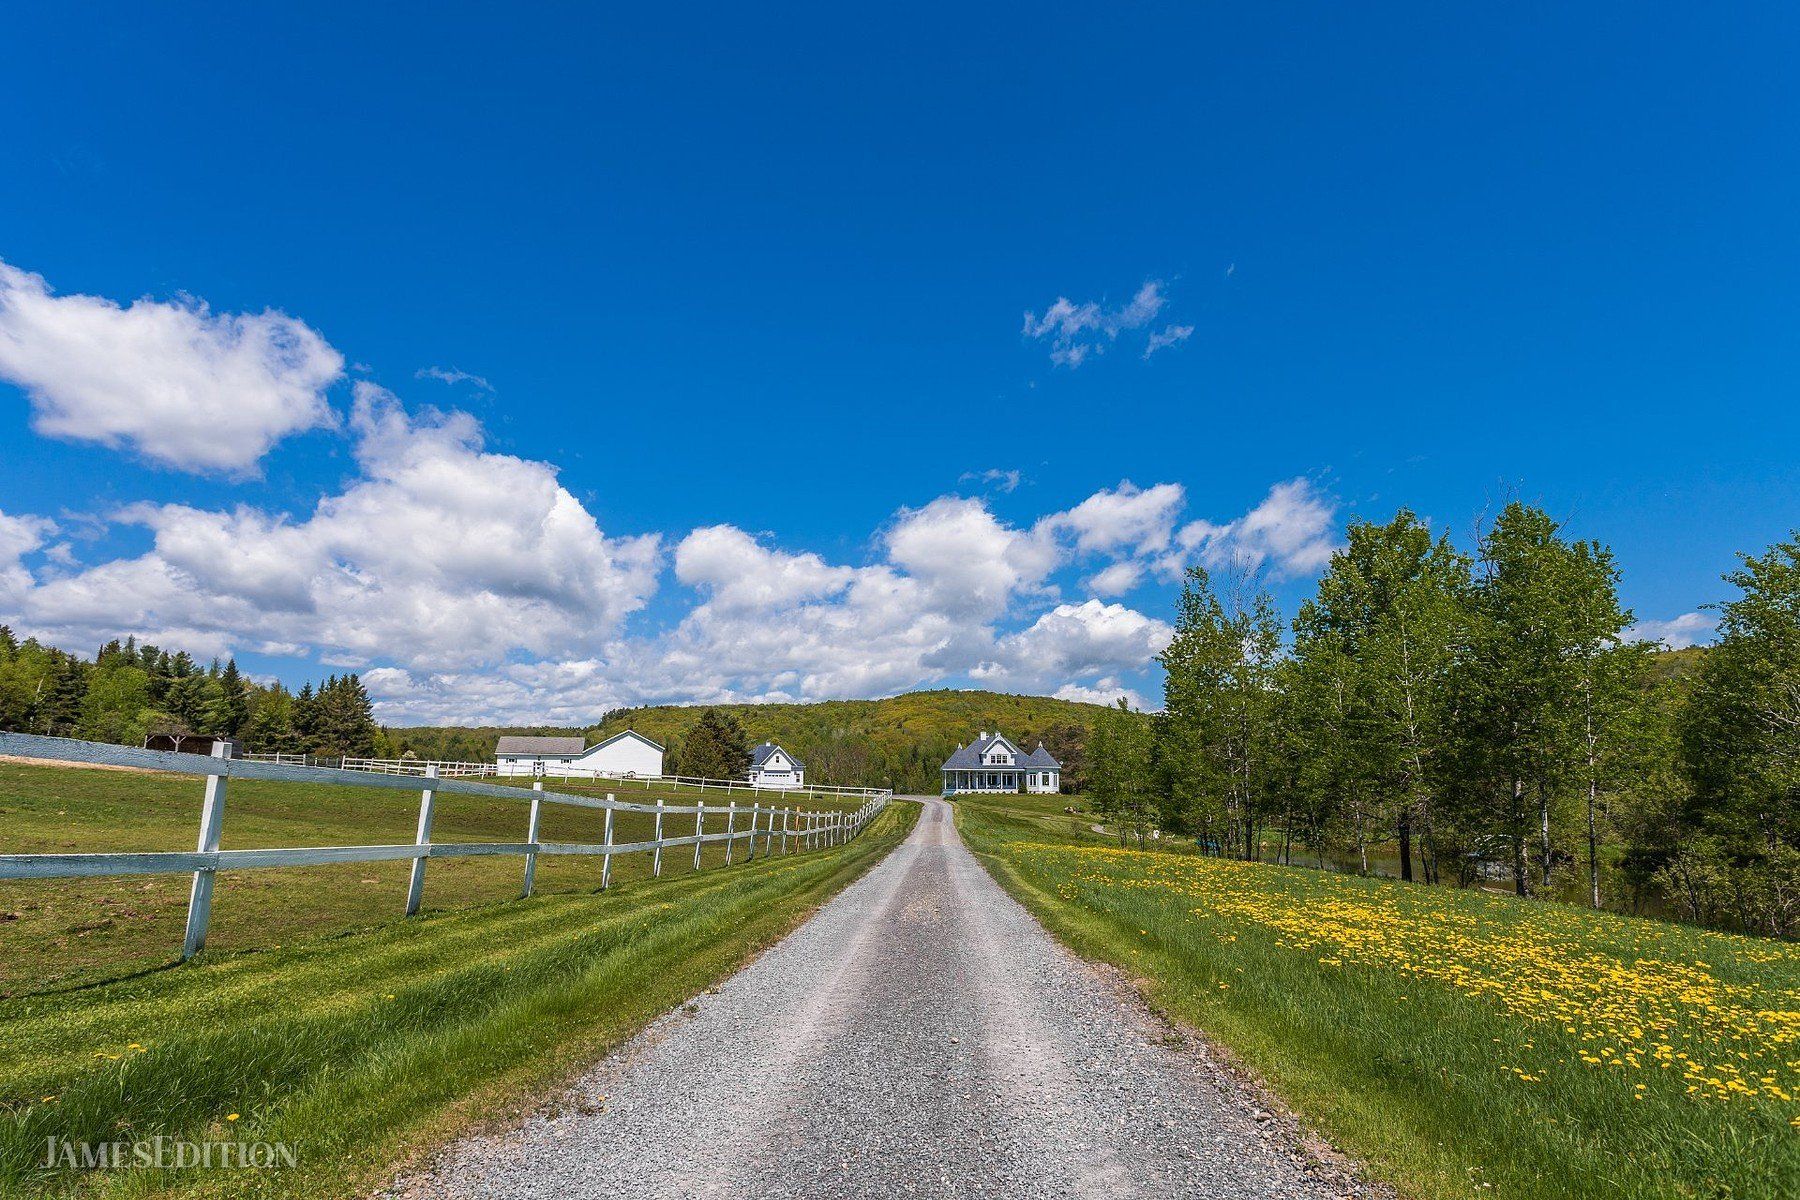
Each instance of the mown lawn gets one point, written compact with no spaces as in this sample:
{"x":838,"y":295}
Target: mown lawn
{"x":59,"y":933}
{"x":363,"y":1049}
{"x":1460,"y":1043}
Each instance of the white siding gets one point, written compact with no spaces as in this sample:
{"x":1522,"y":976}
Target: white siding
{"x":630,"y":754}
{"x":777,"y":771}
{"x":622,"y":756}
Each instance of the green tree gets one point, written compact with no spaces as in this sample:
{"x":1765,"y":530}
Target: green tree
{"x":228,"y":711}
{"x":1741,"y":743}
{"x":1390,"y":613}
{"x":115,"y":703}
{"x":1327,"y":774}
{"x":271,"y":730}
{"x":1221,"y":704}
{"x":344,"y":718}
{"x":186,"y":700}
{"x":1544,"y":610}
{"x":716,"y":747}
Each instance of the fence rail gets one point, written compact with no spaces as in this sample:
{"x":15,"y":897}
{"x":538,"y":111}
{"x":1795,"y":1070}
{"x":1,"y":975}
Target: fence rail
{"x":560,"y":772}
{"x":417,"y":766}
{"x":784,"y":830}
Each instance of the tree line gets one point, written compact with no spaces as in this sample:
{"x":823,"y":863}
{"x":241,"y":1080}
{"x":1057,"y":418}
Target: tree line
{"x":1481,"y":718}
{"x":130,"y":692}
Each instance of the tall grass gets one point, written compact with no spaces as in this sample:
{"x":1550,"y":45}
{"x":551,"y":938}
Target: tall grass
{"x":1460,"y":1043}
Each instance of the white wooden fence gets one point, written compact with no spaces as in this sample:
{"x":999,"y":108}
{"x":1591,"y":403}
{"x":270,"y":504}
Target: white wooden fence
{"x":560,"y":771}
{"x":782,"y":830}
{"x":418,"y":766}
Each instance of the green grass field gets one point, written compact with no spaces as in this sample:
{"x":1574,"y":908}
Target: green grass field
{"x":1458,"y":1042}
{"x":82,"y":930}
{"x":362,"y":1049}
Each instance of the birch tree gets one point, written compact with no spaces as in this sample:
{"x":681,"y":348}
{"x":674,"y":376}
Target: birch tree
{"x":1220,"y":699}
{"x":1391,"y":609}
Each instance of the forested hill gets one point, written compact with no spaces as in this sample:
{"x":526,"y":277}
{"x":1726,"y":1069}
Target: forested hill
{"x":899,"y":742}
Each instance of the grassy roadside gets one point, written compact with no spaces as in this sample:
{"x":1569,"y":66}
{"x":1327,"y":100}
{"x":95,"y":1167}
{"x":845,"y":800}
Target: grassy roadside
{"x":1459,"y":1043}
{"x":59,"y":933}
{"x":363,"y":1049}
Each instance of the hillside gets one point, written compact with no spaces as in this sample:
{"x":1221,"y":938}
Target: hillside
{"x":898,"y":742}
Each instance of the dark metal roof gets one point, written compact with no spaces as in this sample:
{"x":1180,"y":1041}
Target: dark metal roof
{"x":968,"y":758}
{"x":760,"y":755}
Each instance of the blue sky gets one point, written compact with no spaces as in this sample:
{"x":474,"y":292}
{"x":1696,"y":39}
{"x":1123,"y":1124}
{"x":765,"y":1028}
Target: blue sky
{"x":761,"y":310}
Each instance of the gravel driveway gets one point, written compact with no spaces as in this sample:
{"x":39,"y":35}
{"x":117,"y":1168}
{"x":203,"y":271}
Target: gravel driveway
{"x":920,"y":1036}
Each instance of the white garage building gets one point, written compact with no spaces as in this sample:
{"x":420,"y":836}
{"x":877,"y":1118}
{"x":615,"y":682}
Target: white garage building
{"x":773,"y":767}
{"x":628,"y":753}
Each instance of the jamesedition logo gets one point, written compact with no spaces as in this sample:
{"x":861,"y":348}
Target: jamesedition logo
{"x":166,"y":1153}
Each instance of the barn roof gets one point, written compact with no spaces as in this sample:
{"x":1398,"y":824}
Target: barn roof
{"x":513,"y":744}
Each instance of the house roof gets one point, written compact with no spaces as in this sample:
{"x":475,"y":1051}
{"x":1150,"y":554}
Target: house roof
{"x":512,"y":744}
{"x":760,"y":755}
{"x":968,"y":758}
{"x":631,"y":733}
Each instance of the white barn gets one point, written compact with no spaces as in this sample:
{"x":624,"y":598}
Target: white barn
{"x":773,"y":767}
{"x":995,"y":764}
{"x":623,"y":754}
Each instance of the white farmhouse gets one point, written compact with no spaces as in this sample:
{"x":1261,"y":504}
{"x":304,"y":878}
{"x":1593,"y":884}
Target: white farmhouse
{"x":773,"y":767}
{"x":623,"y":754}
{"x":995,"y":764}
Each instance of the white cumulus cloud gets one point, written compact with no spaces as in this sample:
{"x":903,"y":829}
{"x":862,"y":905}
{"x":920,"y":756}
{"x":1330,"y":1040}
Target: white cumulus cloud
{"x":181,"y":385}
{"x":439,"y":554}
{"x":1293,"y":531}
{"x":1676,"y":633}
{"x":1076,"y":640}
{"x":1123,"y":518}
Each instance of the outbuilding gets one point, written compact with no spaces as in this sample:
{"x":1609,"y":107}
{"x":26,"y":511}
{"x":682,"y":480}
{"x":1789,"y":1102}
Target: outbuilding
{"x":773,"y":767}
{"x":628,"y":754}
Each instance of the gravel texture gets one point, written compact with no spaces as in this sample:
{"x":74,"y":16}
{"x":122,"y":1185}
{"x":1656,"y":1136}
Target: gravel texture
{"x":920,"y":1036}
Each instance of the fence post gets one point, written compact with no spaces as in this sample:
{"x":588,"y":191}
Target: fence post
{"x":730,"y":824}
{"x":606,"y":855}
{"x":699,"y":829}
{"x":755,"y":820}
{"x":212,"y":817}
{"x":531,"y":834}
{"x":415,"y":889}
{"x":785,"y":824}
{"x":656,"y":851}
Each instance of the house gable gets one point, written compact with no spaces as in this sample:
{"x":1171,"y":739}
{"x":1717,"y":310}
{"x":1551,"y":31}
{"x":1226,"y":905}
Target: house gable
{"x":998,"y":752}
{"x":618,"y":737}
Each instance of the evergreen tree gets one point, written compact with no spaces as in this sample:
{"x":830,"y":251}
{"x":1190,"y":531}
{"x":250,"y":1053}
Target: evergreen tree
{"x":229,"y":710}
{"x":186,"y":700}
{"x":716,"y":747}
{"x":306,"y":719}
